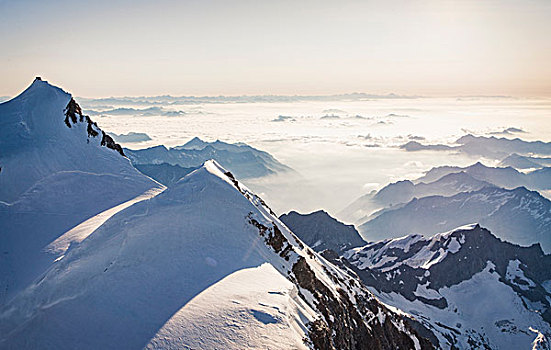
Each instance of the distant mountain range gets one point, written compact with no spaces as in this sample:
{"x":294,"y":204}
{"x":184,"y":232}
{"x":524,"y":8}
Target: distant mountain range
{"x":503,"y":177}
{"x":525,"y":162}
{"x":144,"y":112}
{"x":447,"y":197}
{"x":177,"y":100}
{"x":489,"y":147}
{"x":404,"y":191}
{"x":518,"y":216}
{"x":130,"y":137}
{"x":243,"y":160}
{"x":444,"y":181}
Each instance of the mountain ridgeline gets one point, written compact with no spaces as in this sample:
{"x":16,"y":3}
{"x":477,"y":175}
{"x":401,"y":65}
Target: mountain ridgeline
{"x":96,"y":255}
{"x":466,"y":288}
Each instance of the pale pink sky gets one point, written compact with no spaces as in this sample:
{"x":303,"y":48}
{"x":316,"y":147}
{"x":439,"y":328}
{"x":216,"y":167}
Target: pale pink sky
{"x":422,"y":47}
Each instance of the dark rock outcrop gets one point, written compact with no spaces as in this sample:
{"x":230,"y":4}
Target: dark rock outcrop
{"x":108,"y":142}
{"x":344,"y":327}
{"x":73,"y":115}
{"x":351,"y":317}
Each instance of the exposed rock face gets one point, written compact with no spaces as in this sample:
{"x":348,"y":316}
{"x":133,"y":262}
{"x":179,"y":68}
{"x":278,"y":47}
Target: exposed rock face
{"x":320,"y":231}
{"x":73,"y":115}
{"x":273,"y":237}
{"x":344,"y":327}
{"x":456,"y":257}
{"x":108,"y":142}
{"x":352,"y":317}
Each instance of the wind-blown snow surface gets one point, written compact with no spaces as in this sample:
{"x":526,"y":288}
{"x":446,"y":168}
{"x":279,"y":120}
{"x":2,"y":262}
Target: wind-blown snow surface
{"x":163,"y":274}
{"x":53,"y":177}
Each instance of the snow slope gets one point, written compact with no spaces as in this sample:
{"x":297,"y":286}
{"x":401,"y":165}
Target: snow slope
{"x":205,"y":262}
{"x":36,"y":142}
{"x":55,"y":173}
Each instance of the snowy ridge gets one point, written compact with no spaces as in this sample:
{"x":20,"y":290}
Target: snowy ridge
{"x":205,"y":234}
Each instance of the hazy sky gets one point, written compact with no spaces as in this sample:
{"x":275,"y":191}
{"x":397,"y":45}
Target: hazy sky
{"x":104,"y":48}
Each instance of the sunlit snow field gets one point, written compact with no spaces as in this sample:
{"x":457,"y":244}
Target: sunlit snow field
{"x":342,"y":149}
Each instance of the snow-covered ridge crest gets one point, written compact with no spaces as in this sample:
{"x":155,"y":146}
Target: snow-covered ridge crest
{"x":159,"y":256}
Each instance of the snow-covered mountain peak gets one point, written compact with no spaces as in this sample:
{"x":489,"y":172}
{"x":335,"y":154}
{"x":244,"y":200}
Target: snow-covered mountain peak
{"x":56,"y":172}
{"x":39,"y":86}
{"x":162,"y":256}
{"x":43,"y":132}
{"x":42,"y":114}
{"x":33,"y":116}
{"x":454,"y":279}
{"x":211,"y":179}
{"x":195,"y":143}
